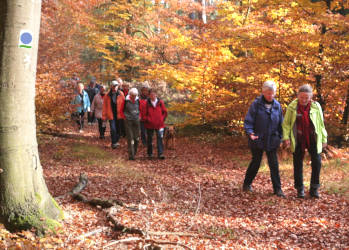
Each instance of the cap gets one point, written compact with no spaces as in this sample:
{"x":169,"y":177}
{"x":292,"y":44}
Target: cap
{"x":114,"y":83}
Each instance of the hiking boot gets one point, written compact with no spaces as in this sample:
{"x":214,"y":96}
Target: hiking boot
{"x":300,"y":193}
{"x":150,"y":156}
{"x":115,"y":145}
{"x":314,"y":193}
{"x":247,"y":188}
{"x":131,"y":158}
{"x":162,"y":157}
{"x":279,"y":193}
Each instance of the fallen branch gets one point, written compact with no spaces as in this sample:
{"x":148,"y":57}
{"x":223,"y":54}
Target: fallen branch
{"x":121,"y":228}
{"x":103,"y":203}
{"x":167,"y":243}
{"x":149,"y":241}
{"x":180,"y":234}
{"x":92,"y":233}
{"x":80,"y":185}
{"x":132,"y":239}
{"x":97,"y":202}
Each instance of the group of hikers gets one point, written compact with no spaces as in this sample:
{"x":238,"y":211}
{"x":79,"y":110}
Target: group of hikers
{"x":302,"y":128}
{"x":129,"y":114}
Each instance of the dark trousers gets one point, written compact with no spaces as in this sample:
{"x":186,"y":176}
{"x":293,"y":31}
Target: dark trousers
{"x":143,"y":134}
{"x":91,"y":117}
{"x":298,"y":157}
{"x":80,"y":121}
{"x":101,"y":127}
{"x":121,"y":128}
{"x":114,"y":131}
{"x":132,"y":135}
{"x":253,"y":168}
{"x":159,"y":135}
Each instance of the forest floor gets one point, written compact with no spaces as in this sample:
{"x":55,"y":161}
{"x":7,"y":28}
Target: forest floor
{"x":190,"y":200}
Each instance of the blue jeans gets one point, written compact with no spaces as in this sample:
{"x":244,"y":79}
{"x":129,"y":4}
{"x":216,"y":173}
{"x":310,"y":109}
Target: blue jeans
{"x":253,"y":168}
{"x":159,"y":135}
{"x":114,"y":131}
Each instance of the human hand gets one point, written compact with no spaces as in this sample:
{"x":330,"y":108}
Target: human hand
{"x":253,"y":137}
{"x":324,"y":145}
{"x":287,"y":143}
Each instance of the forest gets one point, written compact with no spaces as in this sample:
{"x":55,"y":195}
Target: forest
{"x":207,"y":60}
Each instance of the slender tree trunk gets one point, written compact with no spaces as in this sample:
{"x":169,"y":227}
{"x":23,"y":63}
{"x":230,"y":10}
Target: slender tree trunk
{"x":346,"y":109}
{"x":24,"y":198}
{"x":318,"y":86}
{"x":204,"y":16}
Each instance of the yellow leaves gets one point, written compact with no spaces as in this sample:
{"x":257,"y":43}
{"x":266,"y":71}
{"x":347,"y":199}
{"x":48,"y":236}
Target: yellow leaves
{"x":277,"y":13}
{"x":294,"y":4}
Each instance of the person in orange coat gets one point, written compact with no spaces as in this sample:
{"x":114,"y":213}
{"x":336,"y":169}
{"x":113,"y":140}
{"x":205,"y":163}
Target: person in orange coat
{"x":113,"y":102}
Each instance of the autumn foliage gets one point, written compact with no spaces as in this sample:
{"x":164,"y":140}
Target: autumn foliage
{"x":217,"y":51}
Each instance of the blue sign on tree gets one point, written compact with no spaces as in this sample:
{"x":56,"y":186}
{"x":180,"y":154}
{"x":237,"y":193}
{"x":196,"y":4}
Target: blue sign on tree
{"x":25,"y":39}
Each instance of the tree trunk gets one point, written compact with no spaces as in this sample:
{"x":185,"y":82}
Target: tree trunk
{"x":204,"y":16}
{"x":24,"y":198}
{"x":318,"y":86}
{"x":346,"y":109}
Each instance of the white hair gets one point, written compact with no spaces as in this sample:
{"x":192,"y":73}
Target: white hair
{"x":269,"y":85}
{"x":133,"y":91}
{"x":120,"y":81}
{"x":306,"y":88}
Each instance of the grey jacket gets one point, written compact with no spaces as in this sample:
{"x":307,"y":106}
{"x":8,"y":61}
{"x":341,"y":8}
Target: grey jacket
{"x":131,"y":110}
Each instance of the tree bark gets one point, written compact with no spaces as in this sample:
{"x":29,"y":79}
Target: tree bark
{"x":346,"y":109}
{"x":24,"y":198}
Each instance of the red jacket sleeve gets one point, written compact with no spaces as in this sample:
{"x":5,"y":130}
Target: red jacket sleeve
{"x":143,"y":109}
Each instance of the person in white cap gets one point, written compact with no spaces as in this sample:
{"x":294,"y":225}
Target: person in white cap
{"x":112,"y":105}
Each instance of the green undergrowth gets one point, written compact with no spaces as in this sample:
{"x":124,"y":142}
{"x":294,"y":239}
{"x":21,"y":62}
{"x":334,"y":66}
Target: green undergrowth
{"x":124,"y":169}
{"x":91,"y":154}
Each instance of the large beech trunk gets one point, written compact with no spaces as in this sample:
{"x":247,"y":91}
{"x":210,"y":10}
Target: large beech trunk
{"x":24,"y":198}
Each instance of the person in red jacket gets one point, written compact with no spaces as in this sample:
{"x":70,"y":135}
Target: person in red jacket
{"x":154,"y":113}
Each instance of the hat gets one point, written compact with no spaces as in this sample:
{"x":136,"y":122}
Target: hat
{"x":114,"y":83}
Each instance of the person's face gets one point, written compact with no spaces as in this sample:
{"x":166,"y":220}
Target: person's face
{"x":133,"y":97}
{"x":125,"y":87}
{"x":102,"y":90}
{"x":268,"y":94}
{"x":114,"y":88}
{"x":80,"y":88}
{"x":152,"y":96}
{"x":304,"y":98}
{"x":145,"y":92}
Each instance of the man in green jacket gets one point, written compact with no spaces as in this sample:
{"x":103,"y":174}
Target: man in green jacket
{"x":303,"y":128}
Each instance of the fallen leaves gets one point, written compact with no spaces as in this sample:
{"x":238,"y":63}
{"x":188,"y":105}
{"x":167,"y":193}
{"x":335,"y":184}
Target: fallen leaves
{"x":193,"y":198}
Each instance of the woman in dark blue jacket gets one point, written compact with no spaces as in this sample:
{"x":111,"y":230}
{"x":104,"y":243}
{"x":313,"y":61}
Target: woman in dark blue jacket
{"x":263,"y":127}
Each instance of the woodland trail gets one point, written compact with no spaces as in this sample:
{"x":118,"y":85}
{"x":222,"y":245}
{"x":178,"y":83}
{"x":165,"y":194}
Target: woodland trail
{"x":192,"y":198}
